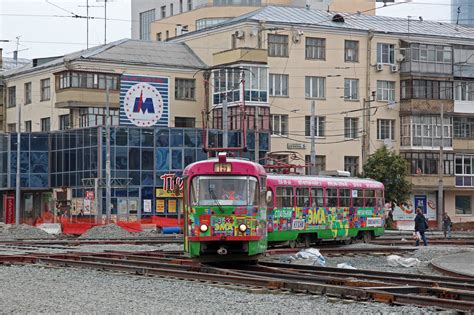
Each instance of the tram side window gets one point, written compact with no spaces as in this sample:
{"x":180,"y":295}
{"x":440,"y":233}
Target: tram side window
{"x":331,"y":197}
{"x":379,"y":197}
{"x":344,"y":198}
{"x":357,"y":198}
{"x":318,"y":197}
{"x":369,"y":198}
{"x":284,"y":197}
{"x":302,"y":197}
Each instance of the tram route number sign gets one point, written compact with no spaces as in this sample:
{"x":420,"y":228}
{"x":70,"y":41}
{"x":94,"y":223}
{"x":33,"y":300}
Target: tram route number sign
{"x":222,"y":167}
{"x":298,"y":224}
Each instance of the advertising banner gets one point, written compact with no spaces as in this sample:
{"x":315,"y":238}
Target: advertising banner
{"x":144,"y":101}
{"x":425,"y":201}
{"x":9,"y":208}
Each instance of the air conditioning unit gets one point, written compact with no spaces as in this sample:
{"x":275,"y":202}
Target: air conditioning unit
{"x":239,"y":34}
{"x":400,"y":58}
{"x":379,"y":67}
{"x":394,"y":68}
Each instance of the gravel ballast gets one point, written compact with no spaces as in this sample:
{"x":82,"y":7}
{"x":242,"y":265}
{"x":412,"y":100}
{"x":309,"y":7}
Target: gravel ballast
{"x":9,"y":232}
{"x":109,"y":231}
{"x":34,"y":289}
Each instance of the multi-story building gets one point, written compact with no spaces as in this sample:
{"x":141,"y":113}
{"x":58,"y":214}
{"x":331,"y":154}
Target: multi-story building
{"x":462,"y":12}
{"x":189,"y":15}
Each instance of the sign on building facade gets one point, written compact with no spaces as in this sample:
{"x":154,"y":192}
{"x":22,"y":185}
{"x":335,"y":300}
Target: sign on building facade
{"x":144,"y":101}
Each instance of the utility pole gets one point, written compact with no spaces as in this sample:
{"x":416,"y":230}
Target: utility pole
{"x":87,"y":13}
{"x":225,"y":127}
{"x":107,"y":154}
{"x":440,"y":208}
{"x":257,"y":136}
{"x":105,"y":21}
{"x":312,"y":128}
{"x":366,"y":128}
{"x":18,"y":177}
{"x":15,"y":53}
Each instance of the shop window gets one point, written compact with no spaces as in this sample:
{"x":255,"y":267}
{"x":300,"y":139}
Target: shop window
{"x":463,"y":205}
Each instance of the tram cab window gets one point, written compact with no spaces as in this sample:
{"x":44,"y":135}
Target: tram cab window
{"x":225,"y":191}
{"x":370,"y":198}
{"x":270,"y":202}
{"x":284,"y":197}
{"x":317,"y":197}
{"x":344,"y":197}
{"x":331,"y":197}
{"x":357,"y":198}
{"x":379,"y":198}
{"x":302,"y":197}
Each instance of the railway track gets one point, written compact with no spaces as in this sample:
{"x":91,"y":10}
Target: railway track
{"x":436,"y":241}
{"x":77,"y":242}
{"x":453,"y":293}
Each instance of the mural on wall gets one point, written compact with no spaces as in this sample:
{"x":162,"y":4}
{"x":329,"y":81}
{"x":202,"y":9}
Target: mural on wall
{"x":406,"y":210}
{"x":144,"y":100}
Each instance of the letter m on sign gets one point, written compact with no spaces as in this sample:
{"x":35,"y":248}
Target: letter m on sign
{"x":144,"y":106}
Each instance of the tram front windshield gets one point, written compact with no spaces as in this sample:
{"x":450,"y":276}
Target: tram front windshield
{"x":224,"y":191}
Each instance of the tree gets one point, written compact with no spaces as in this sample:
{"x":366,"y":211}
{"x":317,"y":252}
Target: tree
{"x":389,"y":168}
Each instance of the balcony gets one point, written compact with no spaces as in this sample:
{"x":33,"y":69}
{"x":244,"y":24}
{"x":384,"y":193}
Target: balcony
{"x":463,"y":144}
{"x":426,"y":69}
{"x":76,"y":97}
{"x":430,"y":182}
{"x":425,"y":106}
{"x":239,"y":55}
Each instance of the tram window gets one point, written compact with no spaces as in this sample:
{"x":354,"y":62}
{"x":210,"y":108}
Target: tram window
{"x":357,"y":198}
{"x":253,"y":192}
{"x":369,"y":198}
{"x":331,"y":197}
{"x":344,"y":197}
{"x":318,"y":197}
{"x":302,"y":197}
{"x":284,"y":197}
{"x":270,"y":200}
{"x":379,"y":197}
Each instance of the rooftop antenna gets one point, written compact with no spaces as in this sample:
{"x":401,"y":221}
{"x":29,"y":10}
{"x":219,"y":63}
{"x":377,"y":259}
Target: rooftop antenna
{"x":105,"y":18}
{"x":88,"y":18}
{"x":458,"y":13}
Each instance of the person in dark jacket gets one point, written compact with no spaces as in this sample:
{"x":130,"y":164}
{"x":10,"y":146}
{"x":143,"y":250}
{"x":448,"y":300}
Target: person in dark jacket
{"x":447,"y":225}
{"x":420,"y":226}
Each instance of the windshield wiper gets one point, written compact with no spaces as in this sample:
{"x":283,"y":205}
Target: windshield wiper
{"x":214,"y":197}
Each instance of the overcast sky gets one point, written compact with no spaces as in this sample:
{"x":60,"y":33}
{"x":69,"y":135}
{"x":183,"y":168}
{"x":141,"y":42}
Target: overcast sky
{"x":47,"y":30}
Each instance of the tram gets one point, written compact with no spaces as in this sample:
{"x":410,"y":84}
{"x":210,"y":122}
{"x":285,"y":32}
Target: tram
{"x":305,"y":209}
{"x":224,"y":209}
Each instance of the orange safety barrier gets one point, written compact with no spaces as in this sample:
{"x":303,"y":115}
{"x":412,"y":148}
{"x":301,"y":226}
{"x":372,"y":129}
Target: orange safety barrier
{"x":166,"y":222}
{"x":130,"y":226}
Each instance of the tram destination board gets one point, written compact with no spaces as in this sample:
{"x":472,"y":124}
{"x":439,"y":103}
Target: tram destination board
{"x":223,"y":167}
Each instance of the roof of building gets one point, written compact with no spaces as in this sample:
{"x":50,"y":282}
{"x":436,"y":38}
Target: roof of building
{"x":127,"y":51}
{"x":353,"y":21}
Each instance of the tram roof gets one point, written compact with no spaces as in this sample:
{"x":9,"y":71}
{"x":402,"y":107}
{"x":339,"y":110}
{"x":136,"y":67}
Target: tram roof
{"x":239,"y":167}
{"x":323,"y":181}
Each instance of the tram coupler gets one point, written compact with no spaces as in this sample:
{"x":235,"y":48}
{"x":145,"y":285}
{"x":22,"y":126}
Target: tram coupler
{"x":222,"y":251}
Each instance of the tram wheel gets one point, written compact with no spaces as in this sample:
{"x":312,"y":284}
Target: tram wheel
{"x":367,"y":236}
{"x":307,"y":241}
{"x":348,"y":241}
{"x":292,"y":243}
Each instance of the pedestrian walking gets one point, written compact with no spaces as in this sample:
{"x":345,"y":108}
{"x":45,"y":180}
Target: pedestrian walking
{"x":447,"y":224}
{"x":420,"y":227}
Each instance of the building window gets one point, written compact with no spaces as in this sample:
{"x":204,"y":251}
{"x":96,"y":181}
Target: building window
{"x":185,"y":122}
{"x":319,"y":123}
{"x":277,"y":45}
{"x":45,"y":89}
{"x":464,"y":170}
{"x":11,"y":127}
{"x":45,"y":124}
{"x":463,"y":127}
{"x":278,"y":84}
{"x":180,"y":6}
{"x":315,"y":48}
{"x":27,"y":93}
{"x":426,"y":89}
{"x":158,"y":37}
{"x":185,"y":89}
{"x":190,"y":5}
{"x":385,"y":129}
{"x":163,"y":11}
{"x":463,"y":205}
{"x":315,"y":87}
{"x":386,"y":53}
{"x":351,"y":89}
{"x":427,"y":163}
{"x":208,"y":22}
{"x":279,"y":125}
{"x":351,"y":165}
{"x":87,"y":80}
{"x":351,"y":51}
{"x":93,"y":116}
{"x":351,"y":128}
{"x":320,"y":163}
{"x":145,"y":20}
{"x":64,"y":122}
{"x":11,"y":96}
{"x":171,"y":9}
{"x":386,"y":91}
{"x":28,"y":126}
{"x":425,"y":131}
{"x":464,"y":90}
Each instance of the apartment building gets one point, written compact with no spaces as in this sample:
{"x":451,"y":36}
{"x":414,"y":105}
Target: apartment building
{"x":164,"y":19}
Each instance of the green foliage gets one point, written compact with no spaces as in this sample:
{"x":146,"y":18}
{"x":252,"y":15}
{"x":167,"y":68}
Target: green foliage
{"x":389,"y":168}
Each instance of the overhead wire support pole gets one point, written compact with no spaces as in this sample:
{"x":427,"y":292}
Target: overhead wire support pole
{"x":439,"y":214}
{"x":18,"y":177}
{"x":225,"y":136}
{"x":312,"y":128}
{"x":107,"y":155}
{"x":105,"y":22}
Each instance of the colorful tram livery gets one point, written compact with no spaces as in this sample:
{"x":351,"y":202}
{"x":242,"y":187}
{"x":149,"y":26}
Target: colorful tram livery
{"x":225,"y":211}
{"x":304,"y":209}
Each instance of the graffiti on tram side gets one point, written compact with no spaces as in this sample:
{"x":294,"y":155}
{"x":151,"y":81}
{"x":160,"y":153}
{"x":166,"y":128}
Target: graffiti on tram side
{"x":338,"y":220}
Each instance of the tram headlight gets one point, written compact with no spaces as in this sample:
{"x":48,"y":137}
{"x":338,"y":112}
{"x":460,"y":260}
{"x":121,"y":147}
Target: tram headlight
{"x":242,"y":228}
{"x":204,"y":228}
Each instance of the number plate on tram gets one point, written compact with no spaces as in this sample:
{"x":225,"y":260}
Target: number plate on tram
{"x":223,"y":167}
{"x":297,"y":224}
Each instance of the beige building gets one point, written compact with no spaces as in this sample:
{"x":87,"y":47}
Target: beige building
{"x":70,"y":91}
